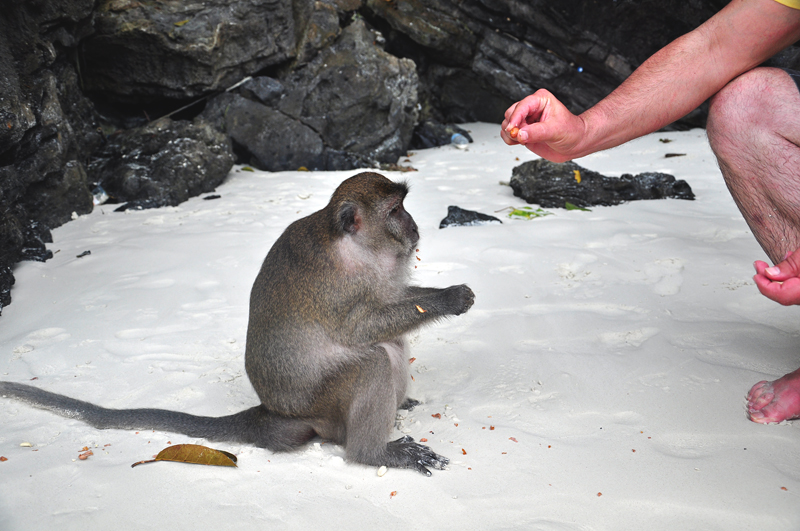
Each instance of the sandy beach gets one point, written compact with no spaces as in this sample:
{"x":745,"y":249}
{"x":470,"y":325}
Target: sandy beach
{"x":597,"y":383}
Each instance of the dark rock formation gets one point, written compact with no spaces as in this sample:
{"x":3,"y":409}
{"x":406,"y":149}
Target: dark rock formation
{"x":430,"y":134}
{"x":476,"y":57}
{"x":163,"y":163}
{"x":552,"y":185}
{"x":144,"y":51}
{"x":264,"y":137}
{"x":358,"y":98}
{"x":263,"y":89}
{"x":352,"y":106}
{"x":457,"y":216}
{"x":47,"y":128}
{"x":317,"y":24}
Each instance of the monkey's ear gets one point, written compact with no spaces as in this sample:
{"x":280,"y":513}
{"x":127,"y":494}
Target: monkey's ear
{"x":348,"y":219}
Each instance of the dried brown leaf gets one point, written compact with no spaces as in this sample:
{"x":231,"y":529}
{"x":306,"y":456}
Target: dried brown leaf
{"x":194,"y":453}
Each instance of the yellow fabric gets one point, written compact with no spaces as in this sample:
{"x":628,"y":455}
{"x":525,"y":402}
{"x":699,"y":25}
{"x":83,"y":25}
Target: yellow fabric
{"x":794,"y":4}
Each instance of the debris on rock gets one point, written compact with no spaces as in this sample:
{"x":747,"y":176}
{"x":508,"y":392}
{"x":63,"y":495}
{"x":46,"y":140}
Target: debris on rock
{"x":554,"y":185}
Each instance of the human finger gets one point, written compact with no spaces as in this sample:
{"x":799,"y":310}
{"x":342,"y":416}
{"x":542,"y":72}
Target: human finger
{"x":788,"y":268}
{"x":509,"y":112}
{"x":527,"y":110}
{"x":506,"y":137}
{"x":505,"y":130}
{"x":786,"y":293}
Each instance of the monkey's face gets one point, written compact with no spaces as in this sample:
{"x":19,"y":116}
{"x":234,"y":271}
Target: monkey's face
{"x":368,"y":208}
{"x":401,"y":226}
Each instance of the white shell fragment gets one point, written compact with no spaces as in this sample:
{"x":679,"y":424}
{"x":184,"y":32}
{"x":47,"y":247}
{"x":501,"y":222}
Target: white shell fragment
{"x":382,"y":471}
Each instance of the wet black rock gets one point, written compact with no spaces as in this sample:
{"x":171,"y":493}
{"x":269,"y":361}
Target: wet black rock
{"x":263,"y":89}
{"x":143,"y":51}
{"x":552,"y":185}
{"x":47,"y":127}
{"x":52,"y":202}
{"x":357,"y":97}
{"x":430,"y":134}
{"x":352,"y":106}
{"x":457,"y":217}
{"x":21,"y":238}
{"x":163,"y":163}
{"x":264,"y":137}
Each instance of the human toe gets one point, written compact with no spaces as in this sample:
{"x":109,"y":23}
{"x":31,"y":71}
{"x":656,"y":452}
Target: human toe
{"x":772,"y":414}
{"x":761,"y":400}
{"x":758,"y":416}
{"x":758,"y":389}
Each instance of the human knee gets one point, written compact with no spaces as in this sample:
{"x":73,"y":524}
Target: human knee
{"x":740,"y":107}
{"x":745,"y":100}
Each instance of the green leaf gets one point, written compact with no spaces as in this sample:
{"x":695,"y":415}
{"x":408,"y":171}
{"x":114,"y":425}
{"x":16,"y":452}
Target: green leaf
{"x":528,"y":212}
{"x":181,"y":23}
{"x":570,"y":206}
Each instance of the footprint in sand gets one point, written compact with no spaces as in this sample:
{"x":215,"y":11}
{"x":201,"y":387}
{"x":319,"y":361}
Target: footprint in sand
{"x":577,"y":271}
{"x":40,"y":338}
{"x":632,"y":338}
{"x":142,"y":333}
{"x":665,"y":275}
{"x":207,"y":285}
{"x":686,"y":445}
{"x":156,"y":284}
{"x":207,"y":304}
{"x":717,"y":234}
{"x":143,"y":281}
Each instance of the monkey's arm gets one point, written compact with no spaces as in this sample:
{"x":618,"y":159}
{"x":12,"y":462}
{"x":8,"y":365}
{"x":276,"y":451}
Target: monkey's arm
{"x":454,"y":300}
{"x":365,"y":324}
{"x":419,"y":291}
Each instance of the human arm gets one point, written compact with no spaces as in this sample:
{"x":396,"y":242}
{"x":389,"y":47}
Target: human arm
{"x":780,"y":282}
{"x":667,"y":86}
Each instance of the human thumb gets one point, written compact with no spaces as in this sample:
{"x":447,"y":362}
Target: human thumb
{"x":788,"y":268}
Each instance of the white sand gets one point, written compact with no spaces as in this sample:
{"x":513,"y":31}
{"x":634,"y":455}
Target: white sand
{"x":610,"y":350}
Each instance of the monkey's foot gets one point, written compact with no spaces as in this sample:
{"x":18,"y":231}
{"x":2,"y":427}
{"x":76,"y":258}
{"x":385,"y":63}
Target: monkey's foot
{"x":411,"y":454}
{"x":769,"y":402}
{"x":409,"y":404}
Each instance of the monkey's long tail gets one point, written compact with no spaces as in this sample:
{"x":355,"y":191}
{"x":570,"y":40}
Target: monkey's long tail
{"x":251,"y":426}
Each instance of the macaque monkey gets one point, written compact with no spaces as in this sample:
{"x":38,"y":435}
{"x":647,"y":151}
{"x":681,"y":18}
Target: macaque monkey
{"x":325,"y":349}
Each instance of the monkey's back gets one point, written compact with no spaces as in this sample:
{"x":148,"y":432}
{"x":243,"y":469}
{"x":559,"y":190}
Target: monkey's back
{"x":295,"y":303}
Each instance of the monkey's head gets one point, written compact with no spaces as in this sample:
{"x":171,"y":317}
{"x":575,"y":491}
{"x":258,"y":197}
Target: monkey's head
{"x":369,"y":208}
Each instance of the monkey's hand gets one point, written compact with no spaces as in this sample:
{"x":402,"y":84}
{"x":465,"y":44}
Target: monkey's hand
{"x":409,"y":404}
{"x":410,"y":454}
{"x":457,"y":299}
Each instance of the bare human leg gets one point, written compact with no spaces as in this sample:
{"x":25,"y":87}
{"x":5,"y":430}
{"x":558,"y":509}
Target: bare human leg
{"x":754,"y":130}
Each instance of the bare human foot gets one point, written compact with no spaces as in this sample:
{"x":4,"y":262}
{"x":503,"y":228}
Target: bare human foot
{"x":769,"y":402}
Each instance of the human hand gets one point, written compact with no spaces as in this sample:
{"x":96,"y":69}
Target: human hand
{"x":546,"y":127}
{"x":780,"y":282}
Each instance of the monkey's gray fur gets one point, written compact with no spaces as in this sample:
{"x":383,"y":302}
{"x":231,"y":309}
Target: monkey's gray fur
{"x":325,"y":350}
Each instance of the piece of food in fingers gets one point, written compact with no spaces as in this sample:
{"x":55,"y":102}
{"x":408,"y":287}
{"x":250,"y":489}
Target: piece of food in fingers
{"x":513,"y":132}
